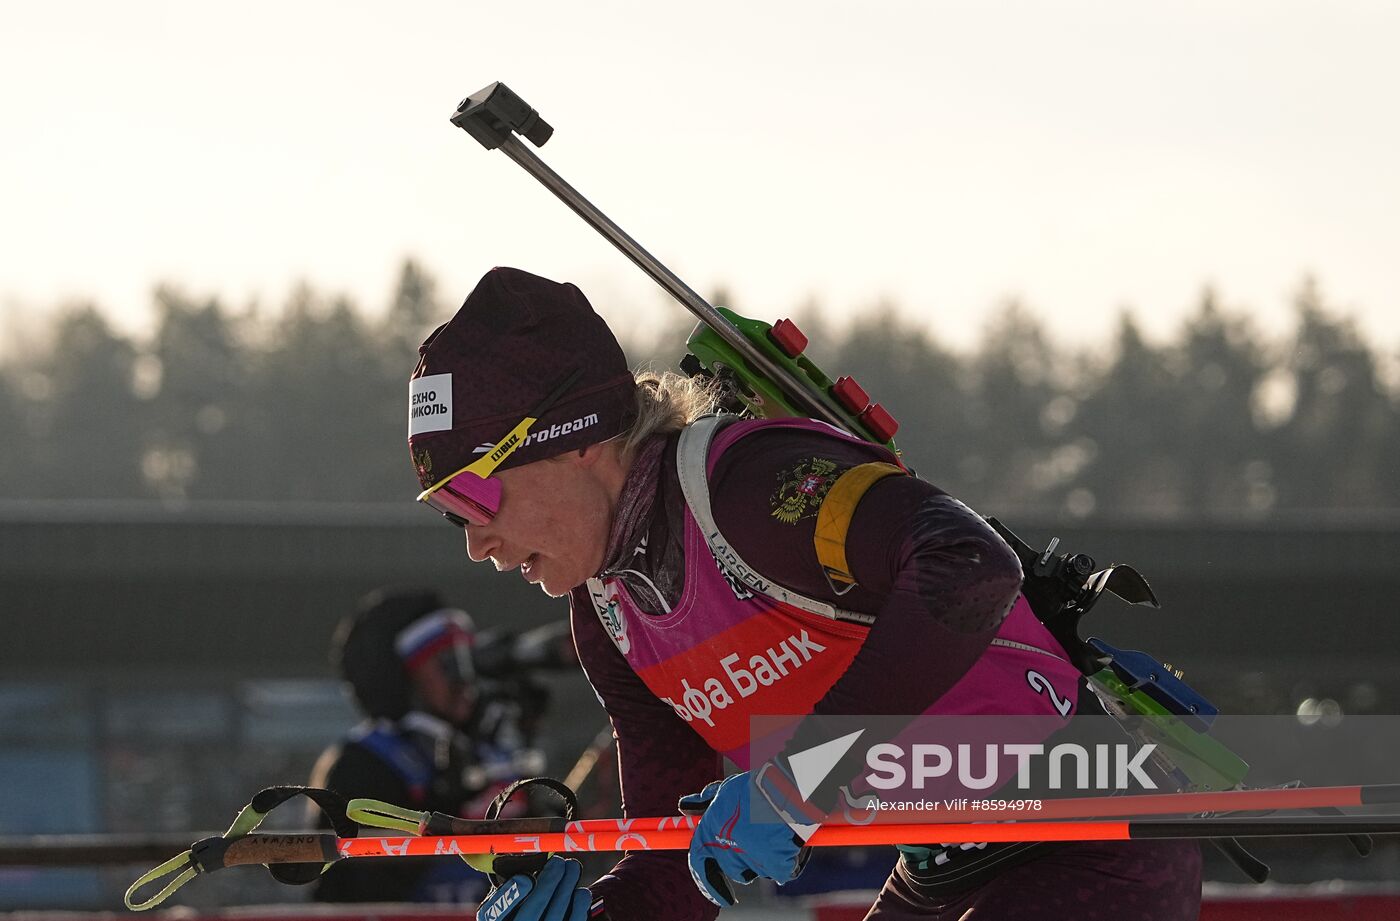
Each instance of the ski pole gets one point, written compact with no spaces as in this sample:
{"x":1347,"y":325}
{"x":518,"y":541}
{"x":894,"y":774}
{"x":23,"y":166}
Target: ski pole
{"x":635,"y":835}
{"x":678,"y":836}
{"x":376,"y":814}
{"x":588,"y":759}
{"x":542,"y":835}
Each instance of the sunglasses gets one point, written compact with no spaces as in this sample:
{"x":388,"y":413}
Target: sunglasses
{"x":472,"y":495}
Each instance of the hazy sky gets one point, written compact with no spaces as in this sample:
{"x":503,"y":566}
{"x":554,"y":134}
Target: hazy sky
{"x":944,"y":155}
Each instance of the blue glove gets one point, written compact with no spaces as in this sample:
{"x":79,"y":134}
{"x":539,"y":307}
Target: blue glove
{"x":553,"y":895}
{"x":747,"y":829}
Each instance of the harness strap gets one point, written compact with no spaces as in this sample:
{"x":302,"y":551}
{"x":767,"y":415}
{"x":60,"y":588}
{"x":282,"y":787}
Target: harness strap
{"x":692,"y":457}
{"x":837,"y":509}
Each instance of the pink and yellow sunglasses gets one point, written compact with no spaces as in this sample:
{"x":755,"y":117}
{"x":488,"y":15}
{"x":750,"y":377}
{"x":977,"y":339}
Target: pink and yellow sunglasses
{"x":472,"y":495}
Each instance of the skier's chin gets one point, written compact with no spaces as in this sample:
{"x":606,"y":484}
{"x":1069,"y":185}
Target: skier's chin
{"x":554,"y":592}
{"x":545,"y":573}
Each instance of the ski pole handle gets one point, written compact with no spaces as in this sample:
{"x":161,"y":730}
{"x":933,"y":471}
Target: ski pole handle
{"x":209,"y":854}
{"x":216,"y":853}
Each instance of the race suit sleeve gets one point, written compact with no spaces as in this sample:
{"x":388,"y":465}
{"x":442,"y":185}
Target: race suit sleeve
{"x":660,"y":759}
{"x":938,"y":578}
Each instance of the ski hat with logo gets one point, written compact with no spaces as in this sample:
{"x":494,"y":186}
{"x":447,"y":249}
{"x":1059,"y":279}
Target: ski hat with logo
{"x":515,"y":340}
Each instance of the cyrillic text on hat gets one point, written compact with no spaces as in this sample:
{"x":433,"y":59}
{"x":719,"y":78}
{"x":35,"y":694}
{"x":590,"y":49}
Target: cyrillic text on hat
{"x":429,"y":404}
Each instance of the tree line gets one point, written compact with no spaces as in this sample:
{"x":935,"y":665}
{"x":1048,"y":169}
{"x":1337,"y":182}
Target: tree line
{"x":309,"y":405}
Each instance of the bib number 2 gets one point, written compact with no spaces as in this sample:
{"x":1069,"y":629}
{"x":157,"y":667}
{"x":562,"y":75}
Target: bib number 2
{"x":1041,"y":685}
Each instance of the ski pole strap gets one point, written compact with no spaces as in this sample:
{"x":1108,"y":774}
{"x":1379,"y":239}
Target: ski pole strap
{"x":377,"y":814}
{"x":501,"y":868}
{"x":836,"y":511}
{"x":184,"y":870}
{"x":310,"y":854}
{"x":373,"y":813}
{"x":558,"y":788}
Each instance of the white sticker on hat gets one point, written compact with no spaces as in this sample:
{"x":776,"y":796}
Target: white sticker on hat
{"x":429,"y":404}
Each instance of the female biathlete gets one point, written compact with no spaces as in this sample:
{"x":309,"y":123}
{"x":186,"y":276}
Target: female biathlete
{"x":685,"y":543}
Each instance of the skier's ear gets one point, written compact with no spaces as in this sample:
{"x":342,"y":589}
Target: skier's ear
{"x":590,"y":455}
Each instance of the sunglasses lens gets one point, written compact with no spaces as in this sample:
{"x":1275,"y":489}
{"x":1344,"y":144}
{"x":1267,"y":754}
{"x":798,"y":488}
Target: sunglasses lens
{"x":467,"y":497}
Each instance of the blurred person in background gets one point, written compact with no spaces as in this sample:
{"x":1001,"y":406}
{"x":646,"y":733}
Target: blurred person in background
{"x":450,"y":717}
